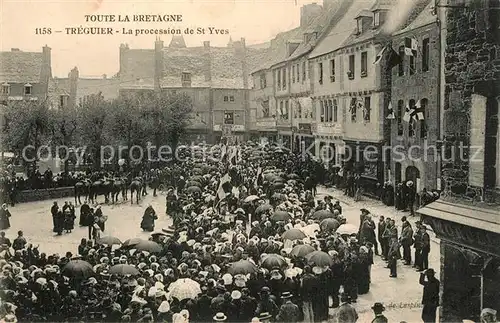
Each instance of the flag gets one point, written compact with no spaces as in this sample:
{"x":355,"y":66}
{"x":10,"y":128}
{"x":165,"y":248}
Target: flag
{"x":411,"y":46}
{"x":353,"y":105}
{"x":221,"y":193}
{"x":394,"y":59}
{"x":408,"y":114}
{"x":379,"y":56}
{"x":236,"y":191}
{"x":391,"y":115}
{"x":223,"y":152}
{"x":233,"y":159}
{"x":418,"y":112}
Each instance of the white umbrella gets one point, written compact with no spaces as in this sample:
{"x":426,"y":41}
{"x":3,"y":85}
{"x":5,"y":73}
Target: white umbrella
{"x":347,"y":229}
{"x":184,"y":288}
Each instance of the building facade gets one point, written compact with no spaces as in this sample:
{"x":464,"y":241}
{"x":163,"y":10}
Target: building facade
{"x":416,"y":85}
{"x":465,"y":218}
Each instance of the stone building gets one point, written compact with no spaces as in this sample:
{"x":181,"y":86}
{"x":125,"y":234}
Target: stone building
{"x":216,"y":79}
{"x":466,"y":218}
{"x":415,"y":82}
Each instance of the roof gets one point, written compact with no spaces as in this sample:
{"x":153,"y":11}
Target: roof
{"x":424,"y":18}
{"x":197,"y":81}
{"x":20,"y":67}
{"x":177,"y":42}
{"x":364,"y":13}
{"x":85,"y":86}
{"x":481,"y":218}
{"x":337,"y":35}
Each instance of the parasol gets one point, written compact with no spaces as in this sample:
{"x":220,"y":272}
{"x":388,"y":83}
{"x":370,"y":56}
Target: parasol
{"x":272,"y":261}
{"x":347,"y":229}
{"x":329,"y":224}
{"x":184,"y":288}
{"x":193,"y":189}
{"x":320,"y":258}
{"x":310,"y":230}
{"x":149,"y":246}
{"x":277,"y":185}
{"x":293,"y":234}
{"x":196,"y":178}
{"x":263,"y":208}
{"x":302,"y":250}
{"x":242,"y":267}
{"x":123,"y":270}
{"x":131,"y":242}
{"x":322,"y":214}
{"x":280,"y":216}
{"x":78,"y":269}
{"x":251,"y":198}
{"x":293,"y":176}
{"x":109,"y":240}
{"x":194,"y":183}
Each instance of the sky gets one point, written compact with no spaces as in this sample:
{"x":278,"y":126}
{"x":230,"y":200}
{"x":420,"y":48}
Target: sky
{"x":256,"y":20}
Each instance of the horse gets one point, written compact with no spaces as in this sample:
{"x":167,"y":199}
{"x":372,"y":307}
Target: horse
{"x":81,"y":189}
{"x":119,"y":186}
{"x":136,"y":185}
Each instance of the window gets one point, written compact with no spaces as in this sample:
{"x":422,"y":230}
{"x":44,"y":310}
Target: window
{"x":359,"y":24}
{"x":226,"y":98}
{"x":298,"y":73}
{"x":329,"y":116}
{"x":376,"y":19}
{"x":231,"y":98}
{"x":350,"y":72}
{"x":367,"y":109}
{"x":322,"y":111}
{"x":282,"y":111}
{"x":401,"y":66}
{"x":412,"y":62}
{"x":299,"y":109}
{"x":353,"y":107}
{"x":265,"y":109}
{"x":28,"y":89}
{"x":278,"y":76}
{"x":186,"y":77}
{"x":320,"y":71}
{"x":364,"y":64}
{"x":332,"y":70}
{"x":399,"y":118}
{"x":412,"y":123}
{"x":425,"y":55}
{"x":228,"y":117}
{"x":287,"y":110}
{"x":284,"y":79}
{"x":423,"y":124}
{"x":5,"y":88}
{"x":303,"y":71}
{"x":293,"y":74}
{"x":335,"y":111}
{"x":263,"y":81}
{"x":63,"y":101}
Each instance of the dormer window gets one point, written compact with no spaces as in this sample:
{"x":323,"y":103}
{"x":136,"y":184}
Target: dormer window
{"x":5,"y":88}
{"x":359,"y":26}
{"x":376,"y":19}
{"x":28,"y":89}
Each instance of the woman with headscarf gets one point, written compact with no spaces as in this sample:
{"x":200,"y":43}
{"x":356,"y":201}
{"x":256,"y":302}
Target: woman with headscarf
{"x":4,"y":217}
{"x":148,"y":219}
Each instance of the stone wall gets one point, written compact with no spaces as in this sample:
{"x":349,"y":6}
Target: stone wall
{"x":472,"y":65}
{"x":45,"y":194}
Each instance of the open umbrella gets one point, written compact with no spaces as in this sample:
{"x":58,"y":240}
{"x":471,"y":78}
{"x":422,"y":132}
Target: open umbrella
{"x":184,"y":288}
{"x":293,"y":234}
{"x":310,"y":229}
{"x":272,"y":261}
{"x":302,"y":250}
{"x":278,"y":185}
{"x":131,"y":242}
{"x":194,"y":183}
{"x":197,"y":171}
{"x":123,"y":270}
{"x":347,"y":229}
{"x":280,"y":216}
{"x":109,"y":240}
{"x":263,"y":208}
{"x":78,"y":269}
{"x":193,"y":189}
{"x":322,"y":214}
{"x":320,"y":258}
{"x":329,"y":224}
{"x":242,"y":267}
{"x":196,"y":178}
{"x":251,"y":198}
{"x":293,"y":176}
{"x":149,"y":246}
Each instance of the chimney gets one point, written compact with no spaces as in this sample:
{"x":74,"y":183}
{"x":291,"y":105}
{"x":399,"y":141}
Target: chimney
{"x":158,"y":72}
{"x":308,"y":12}
{"x":243,"y":57}
{"x":207,"y":56}
{"x":46,"y":72}
{"x":123,"y":59}
{"x":186,"y":79}
{"x":73,"y":87}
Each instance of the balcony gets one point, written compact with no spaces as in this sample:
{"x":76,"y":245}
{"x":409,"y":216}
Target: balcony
{"x":265,"y":123}
{"x":331,"y":129}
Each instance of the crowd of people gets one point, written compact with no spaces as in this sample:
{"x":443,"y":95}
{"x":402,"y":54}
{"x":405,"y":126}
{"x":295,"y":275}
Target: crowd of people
{"x":249,"y":243}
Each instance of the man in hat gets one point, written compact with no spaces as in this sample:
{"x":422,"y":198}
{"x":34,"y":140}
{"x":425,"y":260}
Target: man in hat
{"x":380,"y":235}
{"x":378,"y":309}
{"x":406,"y":240}
{"x":220,"y":317}
{"x":410,"y":197}
{"x":289,"y":312}
{"x":345,"y":312}
{"x":488,"y":315}
{"x":309,"y":287}
{"x":417,"y":244}
{"x":426,"y":248}
{"x":266,"y":304}
{"x":430,"y":297}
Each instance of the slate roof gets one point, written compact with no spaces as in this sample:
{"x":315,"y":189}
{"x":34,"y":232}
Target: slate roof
{"x":20,"y":67}
{"x":424,"y":18}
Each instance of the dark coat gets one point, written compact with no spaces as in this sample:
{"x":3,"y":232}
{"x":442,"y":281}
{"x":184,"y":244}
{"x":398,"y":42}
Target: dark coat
{"x":431,"y":290}
{"x":380,"y":319}
{"x":148,"y":220}
{"x":4,"y":219}
{"x":289,"y":312}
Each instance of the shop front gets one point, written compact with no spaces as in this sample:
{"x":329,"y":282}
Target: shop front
{"x":365,"y":159}
{"x":304,"y":139}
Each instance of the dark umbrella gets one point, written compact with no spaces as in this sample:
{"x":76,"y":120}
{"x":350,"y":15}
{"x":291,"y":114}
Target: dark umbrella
{"x":123,"y":270}
{"x":78,"y":269}
{"x":302,"y":250}
{"x":193,"y":189}
{"x":196,"y":178}
{"x":131,"y":242}
{"x":278,"y":185}
{"x":322,"y":214}
{"x":272,"y":261}
{"x":293,"y":234}
{"x":263,"y":208}
{"x":109,"y":240}
{"x":242,"y":267}
{"x":149,"y":246}
{"x":280,"y":216}
{"x":293,"y":176}
{"x":194,"y":183}
{"x":329,"y":224}
{"x":320,"y":258}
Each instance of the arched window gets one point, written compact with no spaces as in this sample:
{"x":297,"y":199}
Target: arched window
{"x":401,"y":108}
{"x":412,"y":124}
{"x":423,"y":122}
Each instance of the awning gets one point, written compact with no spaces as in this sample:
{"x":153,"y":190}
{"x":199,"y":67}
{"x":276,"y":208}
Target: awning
{"x":476,"y":217}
